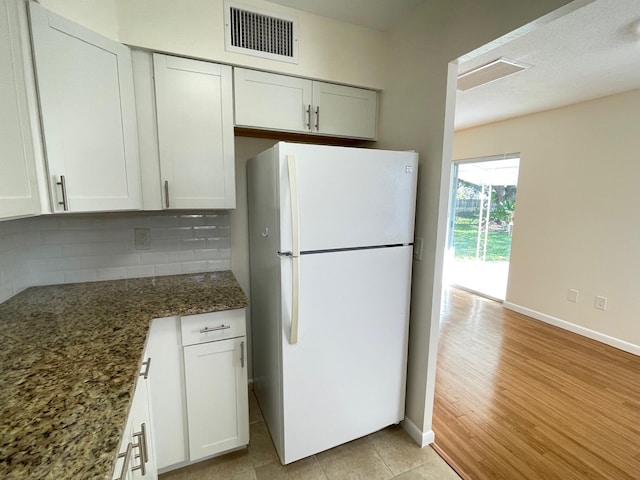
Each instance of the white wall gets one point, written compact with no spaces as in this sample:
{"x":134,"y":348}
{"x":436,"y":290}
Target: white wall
{"x":80,"y":248}
{"x":415,"y":114}
{"x":97,"y":15}
{"x":577,"y":205}
{"x":328,"y":49}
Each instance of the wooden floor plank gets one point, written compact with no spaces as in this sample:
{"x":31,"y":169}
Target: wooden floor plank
{"x":518,"y":398}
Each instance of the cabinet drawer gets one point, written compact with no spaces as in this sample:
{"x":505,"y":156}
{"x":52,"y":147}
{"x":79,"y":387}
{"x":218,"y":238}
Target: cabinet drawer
{"x":209,"y":327}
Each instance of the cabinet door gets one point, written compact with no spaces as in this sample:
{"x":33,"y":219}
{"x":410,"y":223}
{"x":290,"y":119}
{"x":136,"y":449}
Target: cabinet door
{"x":18,"y":182}
{"x":122,"y":471}
{"x":217,"y":401}
{"x":270,"y":101}
{"x":142,"y":464}
{"x":166,"y":392}
{"x":344,"y":111}
{"x":85,"y":83}
{"x":195,"y":132}
{"x":138,"y":434}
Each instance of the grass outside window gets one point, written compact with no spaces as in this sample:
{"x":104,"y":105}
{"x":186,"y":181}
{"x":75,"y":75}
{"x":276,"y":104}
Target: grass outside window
{"x":465,"y":237}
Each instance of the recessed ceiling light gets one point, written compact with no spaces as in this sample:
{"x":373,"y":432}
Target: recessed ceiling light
{"x":489,"y":72}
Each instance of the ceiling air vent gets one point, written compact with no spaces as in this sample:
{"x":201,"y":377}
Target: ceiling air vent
{"x":494,"y":70}
{"x":258,"y":33}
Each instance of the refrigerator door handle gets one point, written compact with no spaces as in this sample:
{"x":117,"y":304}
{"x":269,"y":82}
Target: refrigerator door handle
{"x":293,"y":334}
{"x":295,"y":247}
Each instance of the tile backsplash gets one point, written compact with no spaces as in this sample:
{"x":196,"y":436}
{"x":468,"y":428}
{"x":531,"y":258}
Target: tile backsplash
{"x":53,"y":249}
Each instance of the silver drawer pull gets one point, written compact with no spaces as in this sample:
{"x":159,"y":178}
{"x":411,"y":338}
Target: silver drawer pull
{"x":125,"y":464}
{"x":147,"y":365}
{"x":142,"y":447}
{"x":215,"y":329}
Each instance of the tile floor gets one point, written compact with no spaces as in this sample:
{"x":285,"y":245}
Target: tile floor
{"x":386,"y":454}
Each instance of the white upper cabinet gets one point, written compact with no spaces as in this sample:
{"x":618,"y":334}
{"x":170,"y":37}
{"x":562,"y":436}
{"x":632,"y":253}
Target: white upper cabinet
{"x":18,"y":181}
{"x":270,"y":101}
{"x":279,"y":102}
{"x":194,"y":104}
{"x":344,"y":111}
{"x":85,"y":84}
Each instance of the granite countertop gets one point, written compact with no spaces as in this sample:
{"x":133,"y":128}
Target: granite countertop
{"x":69,"y":358}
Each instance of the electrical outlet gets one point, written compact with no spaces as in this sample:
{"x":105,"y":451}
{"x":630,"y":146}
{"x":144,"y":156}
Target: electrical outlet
{"x":142,"y":239}
{"x":601,"y":303}
{"x":573,"y":295}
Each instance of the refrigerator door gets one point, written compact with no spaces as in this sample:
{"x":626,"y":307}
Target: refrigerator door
{"x":346,"y":197}
{"x":345,"y":378}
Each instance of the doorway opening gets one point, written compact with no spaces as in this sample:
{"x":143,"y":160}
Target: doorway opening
{"x":482,"y":214}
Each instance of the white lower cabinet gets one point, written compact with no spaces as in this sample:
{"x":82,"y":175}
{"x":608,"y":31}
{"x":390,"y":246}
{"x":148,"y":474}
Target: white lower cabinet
{"x":198,"y":387}
{"x":217,"y":403}
{"x":166,"y":392}
{"x":136,"y":458}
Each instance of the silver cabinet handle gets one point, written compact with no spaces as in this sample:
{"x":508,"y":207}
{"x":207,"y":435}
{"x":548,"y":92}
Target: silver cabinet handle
{"x":63,"y":187}
{"x":142,"y":448}
{"x":308,"y":110}
{"x":125,"y":464}
{"x":147,"y":365}
{"x":318,"y":118}
{"x":242,"y":354}
{"x":166,"y":193}
{"x":215,"y":329}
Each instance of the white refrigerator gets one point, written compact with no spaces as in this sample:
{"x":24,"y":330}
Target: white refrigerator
{"x":331,"y":234}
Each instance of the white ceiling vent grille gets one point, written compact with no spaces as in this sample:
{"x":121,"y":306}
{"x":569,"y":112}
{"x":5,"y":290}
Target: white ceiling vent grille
{"x":494,"y":70}
{"x":258,"y":33}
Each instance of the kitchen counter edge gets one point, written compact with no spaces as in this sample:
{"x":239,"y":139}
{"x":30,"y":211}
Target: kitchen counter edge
{"x":70,"y":356}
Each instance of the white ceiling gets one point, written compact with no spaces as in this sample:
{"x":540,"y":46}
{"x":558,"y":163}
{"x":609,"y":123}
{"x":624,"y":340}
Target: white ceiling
{"x":377,"y":14}
{"x":591,"y":52}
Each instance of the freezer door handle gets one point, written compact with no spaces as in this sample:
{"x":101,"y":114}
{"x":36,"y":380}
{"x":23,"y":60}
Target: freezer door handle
{"x":295,"y":214}
{"x":295,"y":247}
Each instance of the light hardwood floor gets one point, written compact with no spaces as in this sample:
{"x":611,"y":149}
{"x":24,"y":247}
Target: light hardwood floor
{"x":520,"y":399}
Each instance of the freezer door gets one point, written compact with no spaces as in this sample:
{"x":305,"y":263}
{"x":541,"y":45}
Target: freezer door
{"x":345,"y":377}
{"x":347,"y":197}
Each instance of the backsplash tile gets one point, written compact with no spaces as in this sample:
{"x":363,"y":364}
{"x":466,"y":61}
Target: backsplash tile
{"x":79,"y":248}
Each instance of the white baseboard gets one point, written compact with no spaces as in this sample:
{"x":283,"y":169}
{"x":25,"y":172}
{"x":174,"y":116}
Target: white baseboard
{"x":421,"y":438}
{"x":572,"y":327}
